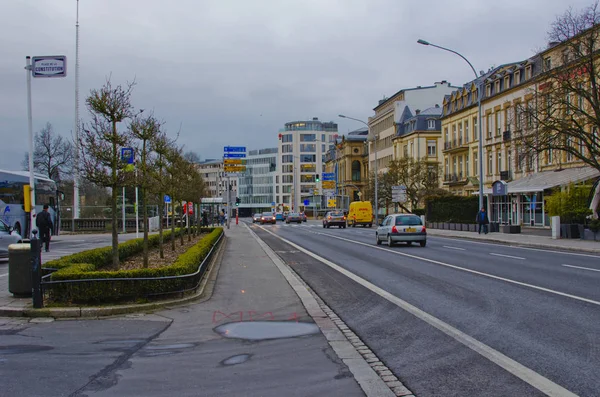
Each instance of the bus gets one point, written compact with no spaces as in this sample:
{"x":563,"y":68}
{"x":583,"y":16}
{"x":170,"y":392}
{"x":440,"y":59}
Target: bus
{"x":12,"y":204}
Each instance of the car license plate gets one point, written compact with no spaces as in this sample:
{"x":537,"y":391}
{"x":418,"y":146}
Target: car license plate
{"x":410,"y":230}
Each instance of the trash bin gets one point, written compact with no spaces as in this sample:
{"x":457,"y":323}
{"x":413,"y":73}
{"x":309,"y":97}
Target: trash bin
{"x":19,"y":270}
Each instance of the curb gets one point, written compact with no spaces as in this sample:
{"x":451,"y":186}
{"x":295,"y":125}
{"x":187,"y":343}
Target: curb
{"x":373,"y":377}
{"x":206,"y":285}
{"x":517,"y":244}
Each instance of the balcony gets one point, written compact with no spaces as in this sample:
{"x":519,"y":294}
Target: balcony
{"x":456,"y":145}
{"x":455,"y":179}
{"x":506,"y":175}
{"x":506,"y":136}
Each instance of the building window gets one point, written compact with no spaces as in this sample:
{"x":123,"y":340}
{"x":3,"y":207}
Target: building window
{"x":286,"y":138}
{"x":431,"y":124}
{"x":475,"y":164}
{"x":287,"y":148}
{"x":412,"y":149}
{"x":519,"y":158}
{"x":307,"y":178}
{"x":308,"y":137}
{"x":497,"y":87}
{"x":529,"y":115}
{"x":548,"y":63}
{"x":581,"y":147}
{"x":475,"y":133}
{"x":454,"y":166}
{"x":580,"y":97}
{"x":549,"y":156}
{"x":498,"y":122}
{"x":287,"y":168}
{"x":490,"y":164}
{"x":489,"y":126}
{"x":509,"y":161}
{"x":405,"y":150}
{"x":446,"y":167}
{"x":569,"y":146}
{"x":287,"y":158}
{"x":488,"y":90}
{"x":308,"y":147}
{"x":431,"y":148}
{"x":517,"y":77}
{"x":460,"y":166}
{"x":446,"y":139}
{"x":460,"y":133}
{"x":499,"y":162}
{"x":466,"y":122}
{"x":356,"y":171}
{"x":467,"y":170}
{"x":308,"y":158}
{"x":507,"y":82}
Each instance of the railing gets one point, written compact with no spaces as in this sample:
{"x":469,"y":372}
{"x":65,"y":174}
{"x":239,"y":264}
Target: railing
{"x":123,"y":287}
{"x":455,"y":177}
{"x":506,"y":175}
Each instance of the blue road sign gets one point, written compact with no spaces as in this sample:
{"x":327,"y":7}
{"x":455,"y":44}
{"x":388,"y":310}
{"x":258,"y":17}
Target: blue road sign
{"x":328,"y":176}
{"x":127,"y":155}
{"x":235,"y":149}
{"x":234,"y":155}
{"x":167,"y":198}
{"x":306,"y":202}
{"x":273,"y":204}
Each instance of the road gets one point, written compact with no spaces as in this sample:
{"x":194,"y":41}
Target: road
{"x":458,"y":318}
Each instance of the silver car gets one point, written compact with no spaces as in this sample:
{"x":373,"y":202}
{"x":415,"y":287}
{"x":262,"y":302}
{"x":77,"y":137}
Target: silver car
{"x":397,"y":228}
{"x":7,"y":237}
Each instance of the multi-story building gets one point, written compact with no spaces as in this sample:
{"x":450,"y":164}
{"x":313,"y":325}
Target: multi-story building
{"x":388,"y":112}
{"x":302,"y":148}
{"x":256,"y":187}
{"x":418,"y":134}
{"x":346,"y":160}
{"x":212,"y":172}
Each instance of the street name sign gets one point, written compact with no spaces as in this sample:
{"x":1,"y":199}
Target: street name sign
{"x":234,"y":161}
{"x":234,"y":168}
{"x":234,"y":155}
{"x":329,"y":176}
{"x":49,"y":66}
{"x":327,"y":184}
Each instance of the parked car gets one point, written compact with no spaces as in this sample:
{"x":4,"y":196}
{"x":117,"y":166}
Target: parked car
{"x":256,"y":218}
{"x":406,"y":228}
{"x":334,"y":218}
{"x":304,"y":217}
{"x":267,"y":217}
{"x":7,"y":237}
{"x":293,"y":217}
{"x":279,"y":216}
{"x":361,"y":213}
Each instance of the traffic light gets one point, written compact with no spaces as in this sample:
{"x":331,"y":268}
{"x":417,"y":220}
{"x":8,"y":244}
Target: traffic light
{"x":317,"y":177}
{"x":237,"y":201}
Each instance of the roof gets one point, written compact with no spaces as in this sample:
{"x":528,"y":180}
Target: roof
{"x":432,"y":111}
{"x":540,"y":181}
{"x":386,"y":100}
{"x":26,"y":174}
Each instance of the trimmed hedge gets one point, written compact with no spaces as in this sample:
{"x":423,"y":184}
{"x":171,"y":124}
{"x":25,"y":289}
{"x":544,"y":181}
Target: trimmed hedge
{"x":452,"y":209}
{"x":93,"y":289}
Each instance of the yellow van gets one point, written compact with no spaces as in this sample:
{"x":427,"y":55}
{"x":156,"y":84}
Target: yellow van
{"x":361,"y":213}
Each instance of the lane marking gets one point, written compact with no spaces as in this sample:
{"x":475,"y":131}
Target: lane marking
{"x":531,"y":377}
{"x":454,"y":248}
{"x":509,"y":245}
{"x":508,"y":280}
{"x":584,"y":268}
{"x":507,"y":256}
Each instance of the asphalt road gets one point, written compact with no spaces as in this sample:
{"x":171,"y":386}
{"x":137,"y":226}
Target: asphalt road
{"x":458,"y":318}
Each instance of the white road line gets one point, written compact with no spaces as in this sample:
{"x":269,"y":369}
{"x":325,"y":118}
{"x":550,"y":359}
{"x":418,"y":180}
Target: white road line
{"x":455,"y":248}
{"x":507,"y":256}
{"x":536,"y":380}
{"x":584,"y":268}
{"x":4,"y":275}
{"x":510,"y":244}
{"x":508,"y":280}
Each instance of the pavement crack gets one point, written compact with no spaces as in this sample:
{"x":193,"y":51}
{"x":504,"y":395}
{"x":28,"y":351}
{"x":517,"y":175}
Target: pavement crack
{"x":108,"y":372}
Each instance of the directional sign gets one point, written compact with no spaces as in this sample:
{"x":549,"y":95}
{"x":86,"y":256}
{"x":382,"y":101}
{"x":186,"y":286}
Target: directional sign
{"x":127,"y":155}
{"x":328,"y":184}
{"x":234,"y":155}
{"x":399,"y":194}
{"x":329,"y":176}
{"x":49,"y":66}
{"x":331,"y":203}
{"x":234,"y":161}
{"x":234,"y":149}
{"x":233,"y":168}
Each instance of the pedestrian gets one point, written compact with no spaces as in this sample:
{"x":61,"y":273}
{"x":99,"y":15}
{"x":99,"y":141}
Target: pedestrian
{"x":482,"y":220}
{"x":43,"y":221}
{"x":204,"y":219}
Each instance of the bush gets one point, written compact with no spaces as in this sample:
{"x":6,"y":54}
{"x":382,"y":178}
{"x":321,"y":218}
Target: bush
{"x":595,"y":226}
{"x":451,"y":208}
{"x":126,"y":284}
{"x":571,"y":204}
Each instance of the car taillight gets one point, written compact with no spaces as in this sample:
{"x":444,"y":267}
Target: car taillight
{"x":329,"y":218}
{"x":423,"y":230}
{"x":263,"y":218}
{"x":394,"y":230}
{"x":344,"y":218}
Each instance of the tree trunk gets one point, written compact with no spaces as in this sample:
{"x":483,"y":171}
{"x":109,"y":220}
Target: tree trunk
{"x":145,"y":218}
{"x":173,"y":223}
{"x":161,"y":206}
{"x":115,"y":231}
{"x":189,"y":224}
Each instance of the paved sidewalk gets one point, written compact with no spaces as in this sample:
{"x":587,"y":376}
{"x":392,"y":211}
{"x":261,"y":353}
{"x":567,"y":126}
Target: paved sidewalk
{"x":526,"y":240}
{"x":253,"y":337}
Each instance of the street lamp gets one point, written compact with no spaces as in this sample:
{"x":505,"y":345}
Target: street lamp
{"x":376,"y":178}
{"x":480,"y":126}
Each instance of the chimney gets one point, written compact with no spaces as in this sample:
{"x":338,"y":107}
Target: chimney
{"x":315,"y":118}
{"x":418,"y":111}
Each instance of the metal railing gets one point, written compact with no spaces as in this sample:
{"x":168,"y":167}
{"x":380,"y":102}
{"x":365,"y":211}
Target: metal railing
{"x":144,"y":287}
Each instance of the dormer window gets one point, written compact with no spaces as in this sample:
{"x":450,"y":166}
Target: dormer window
{"x":431,"y":124}
{"x":517,"y":78}
{"x":528,"y":72}
{"x":488,"y":90}
{"x":506,"y":82}
{"x":497,"y":87}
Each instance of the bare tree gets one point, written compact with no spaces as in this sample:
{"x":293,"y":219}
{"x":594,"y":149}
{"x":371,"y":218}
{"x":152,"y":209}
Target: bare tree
{"x":192,"y":156}
{"x":52,"y":155}
{"x":101,"y":142}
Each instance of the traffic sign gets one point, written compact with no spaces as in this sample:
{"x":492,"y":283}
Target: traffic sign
{"x":234,"y":155}
{"x":127,"y":155}
{"x":234,"y":168}
{"x":399,"y":194}
{"x":329,"y":176}
{"x":331,"y":203}
{"x":167,"y":198}
{"x":234,"y":149}
{"x":306,"y":202}
{"x":49,"y":66}
{"x":328,"y":184}
{"x":235,"y":161}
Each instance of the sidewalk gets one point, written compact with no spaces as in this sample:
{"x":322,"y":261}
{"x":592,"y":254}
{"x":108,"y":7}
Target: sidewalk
{"x":525,"y":240}
{"x":253,"y":337}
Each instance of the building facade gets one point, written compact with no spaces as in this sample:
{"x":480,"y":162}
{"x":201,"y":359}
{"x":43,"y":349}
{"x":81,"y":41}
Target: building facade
{"x":212,"y":172}
{"x":301,"y":159}
{"x":256,"y":187}
{"x":382,"y":125}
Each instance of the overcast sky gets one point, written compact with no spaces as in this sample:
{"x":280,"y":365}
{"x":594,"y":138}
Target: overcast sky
{"x":232,"y":72}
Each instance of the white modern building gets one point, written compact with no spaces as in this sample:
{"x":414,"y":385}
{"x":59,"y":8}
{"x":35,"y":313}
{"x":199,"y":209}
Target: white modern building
{"x":302,"y":149}
{"x":382,"y":126}
{"x":256,"y":187}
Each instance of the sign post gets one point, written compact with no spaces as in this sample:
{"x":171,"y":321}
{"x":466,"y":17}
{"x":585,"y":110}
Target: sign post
{"x":399,"y":194}
{"x":234,"y":164}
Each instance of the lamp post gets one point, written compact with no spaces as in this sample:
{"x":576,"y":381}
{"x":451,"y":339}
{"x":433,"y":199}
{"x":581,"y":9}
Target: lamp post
{"x":480,"y":126}
{"x":376,"y":177}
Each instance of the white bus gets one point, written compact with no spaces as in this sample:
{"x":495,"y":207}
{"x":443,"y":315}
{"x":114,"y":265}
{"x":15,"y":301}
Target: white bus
{"x":12,"y":201}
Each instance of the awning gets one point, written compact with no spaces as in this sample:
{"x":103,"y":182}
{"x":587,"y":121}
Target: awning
{"x":211,"y":200}
{"x":540,"y":181}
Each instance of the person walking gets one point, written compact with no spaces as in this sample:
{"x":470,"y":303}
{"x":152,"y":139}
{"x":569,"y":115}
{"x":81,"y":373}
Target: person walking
{"x":482,"y":220}
{"x":43,"y":221}
{"x":204,"y":219}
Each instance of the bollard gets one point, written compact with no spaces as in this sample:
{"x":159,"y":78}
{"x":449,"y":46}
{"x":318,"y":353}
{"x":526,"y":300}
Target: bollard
{"x":555,"y":222}
{"x":36,"y":270}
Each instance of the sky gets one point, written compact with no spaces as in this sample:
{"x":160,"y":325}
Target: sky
{"x":233,"y":72}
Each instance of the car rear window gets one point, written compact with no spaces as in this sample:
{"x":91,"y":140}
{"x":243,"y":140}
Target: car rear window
{"x":267,"y":214}
{"x":337,"y":214}
{"x":408,"y":221}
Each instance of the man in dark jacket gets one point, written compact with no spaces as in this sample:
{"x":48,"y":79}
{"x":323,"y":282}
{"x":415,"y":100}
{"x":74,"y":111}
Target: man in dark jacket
{"x":483,"y":221}
{"x":44,"y":223}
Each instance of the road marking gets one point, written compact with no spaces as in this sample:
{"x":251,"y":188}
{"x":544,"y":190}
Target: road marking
{"x":4,"y":275}
{"x":454,"y":248}
{"x":508,"y":280}
{"x":509,"y":244}
{"x":584,"y":268}
{"x":507,"y":256}
{"x":536,"y":380}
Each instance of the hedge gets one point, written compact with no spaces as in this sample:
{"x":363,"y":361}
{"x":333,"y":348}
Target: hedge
{"x":453,"y":209}
{"x":92,"y":288}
